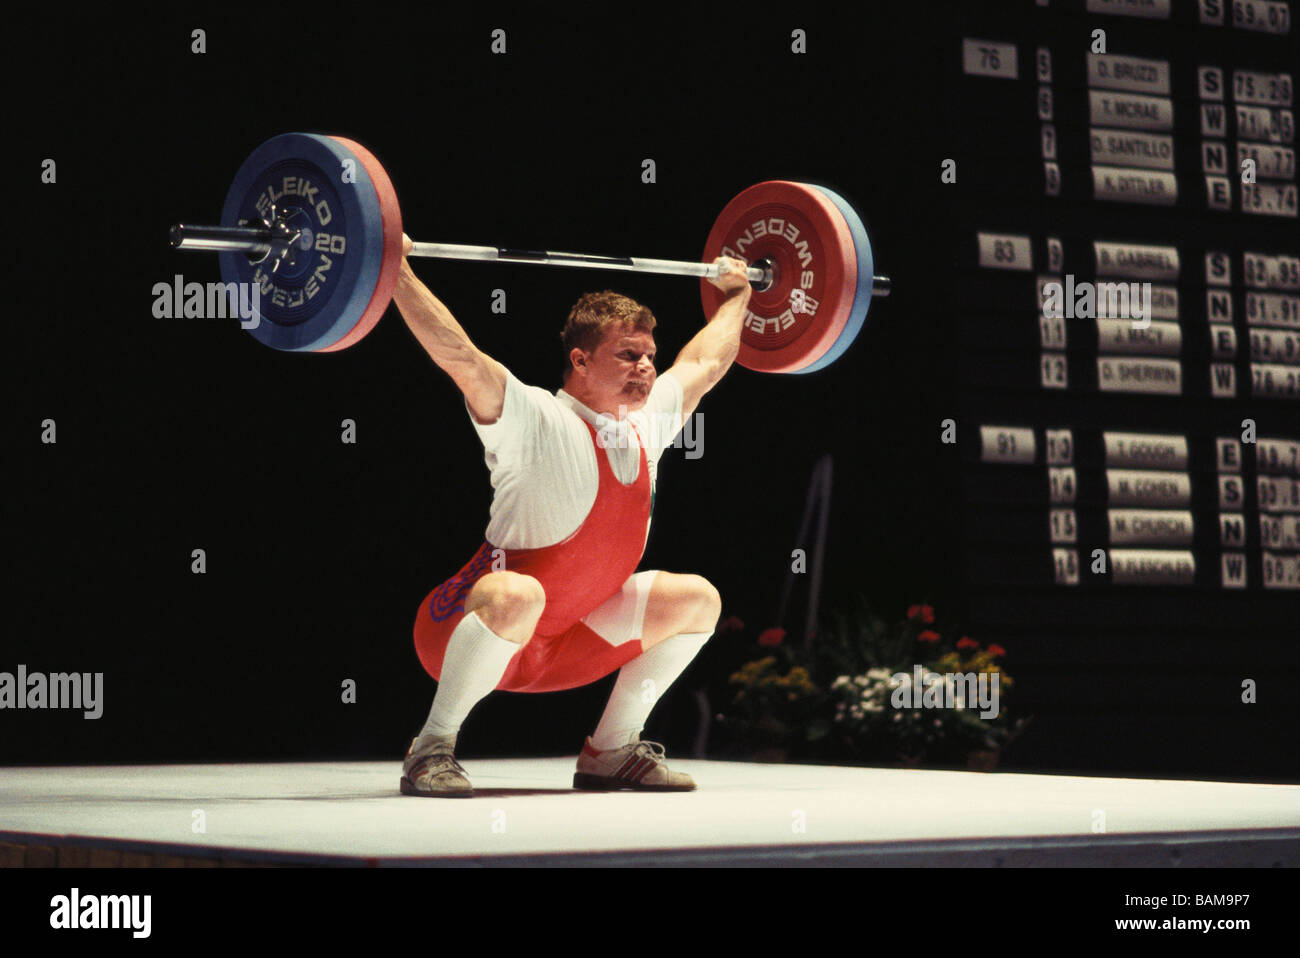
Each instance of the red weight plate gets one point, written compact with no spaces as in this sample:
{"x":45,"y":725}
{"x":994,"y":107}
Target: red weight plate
{"x":392,"y":218}
{"x":815,"y":264}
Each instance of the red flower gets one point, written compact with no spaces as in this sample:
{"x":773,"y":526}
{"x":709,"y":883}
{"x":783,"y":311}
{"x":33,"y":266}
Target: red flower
{"x":995,"y":650}
{"x":923,"y":612}
{"x":771,"y":637}
{"x":966,"y":642}
{"x":731,"y":623}
{"x":929,"y":635}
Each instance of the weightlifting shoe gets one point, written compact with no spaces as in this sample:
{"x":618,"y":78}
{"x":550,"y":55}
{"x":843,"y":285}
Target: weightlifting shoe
{"x":638,"y":766}
{"x":431,"y":770}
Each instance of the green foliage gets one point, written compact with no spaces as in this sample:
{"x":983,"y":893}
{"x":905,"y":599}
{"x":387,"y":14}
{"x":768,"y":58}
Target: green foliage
{"x":845,"y":698}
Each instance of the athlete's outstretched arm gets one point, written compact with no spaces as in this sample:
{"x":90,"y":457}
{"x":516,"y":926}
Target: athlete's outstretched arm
{"x":480,"y":377}
{"x":707,"y":357}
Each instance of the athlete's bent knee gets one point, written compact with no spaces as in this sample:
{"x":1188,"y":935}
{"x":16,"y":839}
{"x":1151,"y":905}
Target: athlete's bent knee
{"x":708,"y":605}
{"x":509,"y":604}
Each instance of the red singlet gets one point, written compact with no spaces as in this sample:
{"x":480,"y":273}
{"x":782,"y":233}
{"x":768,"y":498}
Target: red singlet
{"x":577,"y":574}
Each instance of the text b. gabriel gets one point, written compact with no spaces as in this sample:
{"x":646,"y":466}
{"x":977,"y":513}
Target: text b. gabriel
{"x":58,"y":690}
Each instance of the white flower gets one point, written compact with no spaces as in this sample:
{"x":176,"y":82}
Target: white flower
{"x":840,"y":682}
{"x":880,"y":675}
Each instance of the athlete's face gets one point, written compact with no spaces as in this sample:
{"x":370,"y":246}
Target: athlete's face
{"x":621,"y":370}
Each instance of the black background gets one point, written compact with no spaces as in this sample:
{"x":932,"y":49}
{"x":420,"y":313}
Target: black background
{"x":178,"y":434}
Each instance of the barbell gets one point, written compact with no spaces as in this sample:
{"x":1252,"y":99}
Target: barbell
{"x":313,"y":223}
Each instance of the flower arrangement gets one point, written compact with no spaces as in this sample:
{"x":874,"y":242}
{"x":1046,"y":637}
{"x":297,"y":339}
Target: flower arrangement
{"x":773,"y":697}
{"x":869,"y":690}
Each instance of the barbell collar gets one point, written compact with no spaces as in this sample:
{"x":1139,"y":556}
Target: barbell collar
{"x":255,"y":241}
{"x":261,"y":243}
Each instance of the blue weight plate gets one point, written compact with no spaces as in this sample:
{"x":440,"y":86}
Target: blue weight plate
{"x":321,"y":290}
{"x":861,"y":298}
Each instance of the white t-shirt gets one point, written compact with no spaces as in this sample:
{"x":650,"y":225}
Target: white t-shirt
{"x":543,"y":461}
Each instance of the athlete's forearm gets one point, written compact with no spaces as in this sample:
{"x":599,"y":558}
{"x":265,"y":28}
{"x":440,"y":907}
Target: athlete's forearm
{"x":480,"y":378}
{"x":717,"y":344}
{"x":442,"y":337}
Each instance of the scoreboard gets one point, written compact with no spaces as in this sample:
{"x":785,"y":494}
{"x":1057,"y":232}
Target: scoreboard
{"x":1128,"y":313}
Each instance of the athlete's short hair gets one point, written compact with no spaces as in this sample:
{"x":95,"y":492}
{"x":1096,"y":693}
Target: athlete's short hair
{"x":591,"y":317}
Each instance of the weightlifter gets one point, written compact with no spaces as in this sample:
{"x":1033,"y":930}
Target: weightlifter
{"x":552,"y":600}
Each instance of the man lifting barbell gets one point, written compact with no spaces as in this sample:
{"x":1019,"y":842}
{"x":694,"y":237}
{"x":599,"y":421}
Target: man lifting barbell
{"x":551,"y":600}
{"x":569,"y":520}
